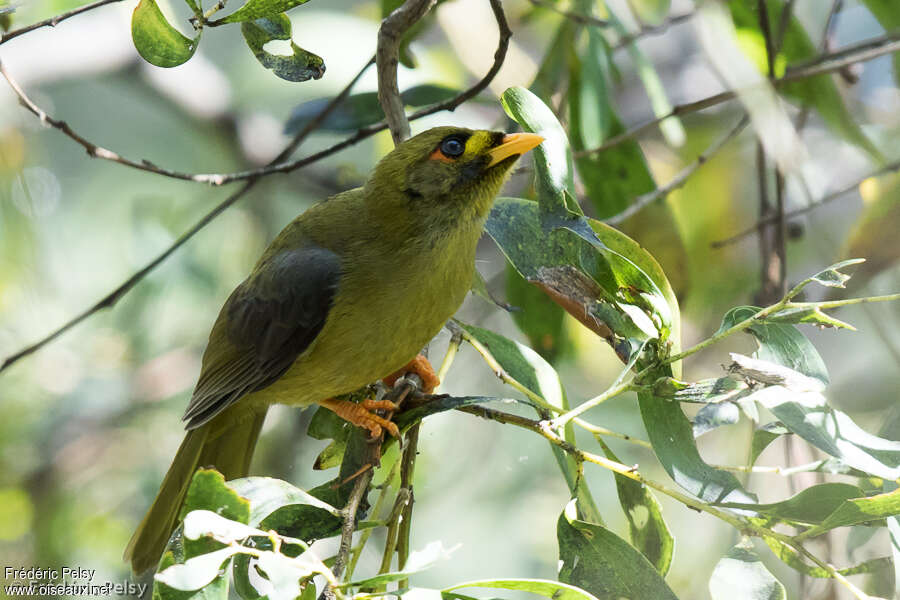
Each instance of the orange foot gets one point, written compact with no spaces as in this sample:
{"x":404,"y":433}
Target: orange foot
{"x":361,"y":415}
{"x":421,"y":367}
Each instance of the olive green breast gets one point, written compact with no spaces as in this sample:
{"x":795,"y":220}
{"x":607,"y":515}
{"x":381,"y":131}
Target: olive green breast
{"x":398,"y":287}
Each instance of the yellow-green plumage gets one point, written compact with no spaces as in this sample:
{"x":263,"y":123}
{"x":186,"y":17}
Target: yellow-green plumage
{"x":347,"y":293}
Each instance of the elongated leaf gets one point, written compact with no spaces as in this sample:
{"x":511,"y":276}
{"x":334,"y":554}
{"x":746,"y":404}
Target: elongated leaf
{"x":267,"y":495}
{"x":649,"y":532}
{"x":300,"y":66}
{"x":811,"y":506}
{"x":860,"y":510}
{"x":258,"y":9}
{"x":705,"y":391}
{"x":764,"y":436}
{"x":600,"y":562}
{"x":554,"y":590}
{"x":156,"y":40}
{"x":740,"y":575}
{"x":790,"y":557}
{"x":819,"y":92}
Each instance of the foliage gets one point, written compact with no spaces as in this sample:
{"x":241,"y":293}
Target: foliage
{"x":569,"y":277}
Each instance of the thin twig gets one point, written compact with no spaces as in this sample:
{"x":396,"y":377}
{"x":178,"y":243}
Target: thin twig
{"x":112,"y":297}
{"x":646,"y":30}
{"x":53,"y":21}
{"x":889,"y":168}
{"x":829,"y":63}
{"x":387,"y":57}
{"x":740,"y":523}
{"x":680,"y":179}
{"x":360,"y":487}
{"x":407,"y":471}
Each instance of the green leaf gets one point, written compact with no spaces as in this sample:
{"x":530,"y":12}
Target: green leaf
{"x":811,"y":315}
{"x":361,"y":110}
{"x":600,"y":562}
{"x":806,"y":413}
{"x":443,"y":403}
{"x":763,"y":436}
{"x":740,"y":575}
{"x":300,"y":66}
{"x":258,"y":9}
{"x":553,"y":67}
{"x":538,"y":317}
{"x":552,"y":160}
{"x":156,"y":40}
{"x":554,"y":590}
{"x":820,"y":92}
{"x":649,"y":532}
{"x":811,"y":506}
{"x":615,"y":177}
{"x":208,"y":491}
{"x":267,"y":495}
{"x":326,"y":425}
{"x":885,"y":11}
{"x":790,"y":557}
{"x":860,"y":510}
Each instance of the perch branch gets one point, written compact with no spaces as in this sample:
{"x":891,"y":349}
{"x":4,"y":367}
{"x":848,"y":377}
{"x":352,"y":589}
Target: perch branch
{"x":53,"y":21}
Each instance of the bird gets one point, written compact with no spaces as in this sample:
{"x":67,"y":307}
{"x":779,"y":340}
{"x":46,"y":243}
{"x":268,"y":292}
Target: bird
{"x":348,"y":293}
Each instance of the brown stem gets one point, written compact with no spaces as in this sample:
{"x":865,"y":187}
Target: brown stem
{"x":53,"y":21}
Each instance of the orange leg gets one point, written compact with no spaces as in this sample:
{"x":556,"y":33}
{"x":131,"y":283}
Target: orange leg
{"x":421,"y":367}
{"x":360,"y":415}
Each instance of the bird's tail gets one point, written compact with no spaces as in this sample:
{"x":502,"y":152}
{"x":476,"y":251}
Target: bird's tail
{"x":226,"y":443}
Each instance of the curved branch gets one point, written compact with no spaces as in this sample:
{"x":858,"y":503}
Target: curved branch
{"x":53,"y":21}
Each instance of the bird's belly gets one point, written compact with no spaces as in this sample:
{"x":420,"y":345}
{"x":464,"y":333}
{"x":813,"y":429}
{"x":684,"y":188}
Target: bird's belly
{"x":374,"y":333}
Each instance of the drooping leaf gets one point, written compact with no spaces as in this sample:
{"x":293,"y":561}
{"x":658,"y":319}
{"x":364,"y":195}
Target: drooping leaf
{"x":600,"y":562}
{"x":740,"y":575}
{"x":156,"y":40}
{"x":259,"y":9}
{"x":806,"y":413}
{"x":649,"y":532}
{"x":301,"y":65}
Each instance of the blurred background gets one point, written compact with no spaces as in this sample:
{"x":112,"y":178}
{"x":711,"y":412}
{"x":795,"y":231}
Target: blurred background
{"x":91,"y":421}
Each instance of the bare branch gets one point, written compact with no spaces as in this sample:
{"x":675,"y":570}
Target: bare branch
{"x":387,"y":57}
{"x":829,"y":63}
{"x":111,"y":298}
{"x":681,"y":178}
{"x":53,"y":21}
{"x":828,"y":198}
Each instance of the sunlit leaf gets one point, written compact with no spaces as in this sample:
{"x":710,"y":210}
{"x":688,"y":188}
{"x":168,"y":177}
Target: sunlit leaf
{"x":196,"y":572}
{"x":705,"y":391}
{"x":258,"y":9}
{"x":554,"y":590}
{"x":301,"y":65}
{"x":156,"y":40}
{"x":811,"y":506}
{"x":740,"y":575}
{"x":861,"y":510}
{"x":600,"y":562}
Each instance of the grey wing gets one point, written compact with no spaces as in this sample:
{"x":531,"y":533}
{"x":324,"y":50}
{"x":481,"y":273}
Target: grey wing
{"x":266,"y":323}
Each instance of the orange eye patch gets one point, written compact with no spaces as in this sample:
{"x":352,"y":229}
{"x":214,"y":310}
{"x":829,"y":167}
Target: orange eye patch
{"x":438,"y":155}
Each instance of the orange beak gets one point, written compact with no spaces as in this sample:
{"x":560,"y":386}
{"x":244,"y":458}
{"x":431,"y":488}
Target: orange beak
{"x":513,"y":144}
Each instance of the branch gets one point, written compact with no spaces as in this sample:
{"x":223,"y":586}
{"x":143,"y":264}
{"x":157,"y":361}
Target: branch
{"x":53,"y":21}
{"x":740,"y":523}
{"x":645,"y":30}
{"x":889,"y":168}
{"x":680,"y":179}
{"x":112,"y":297}
{"x":829,"y":63}
{"x":387,"y":57}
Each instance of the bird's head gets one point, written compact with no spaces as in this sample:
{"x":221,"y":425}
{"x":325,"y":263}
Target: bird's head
{"x":447,"y":174}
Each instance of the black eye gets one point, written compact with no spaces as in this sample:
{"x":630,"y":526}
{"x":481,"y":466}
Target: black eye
{"x":452,"y":147}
